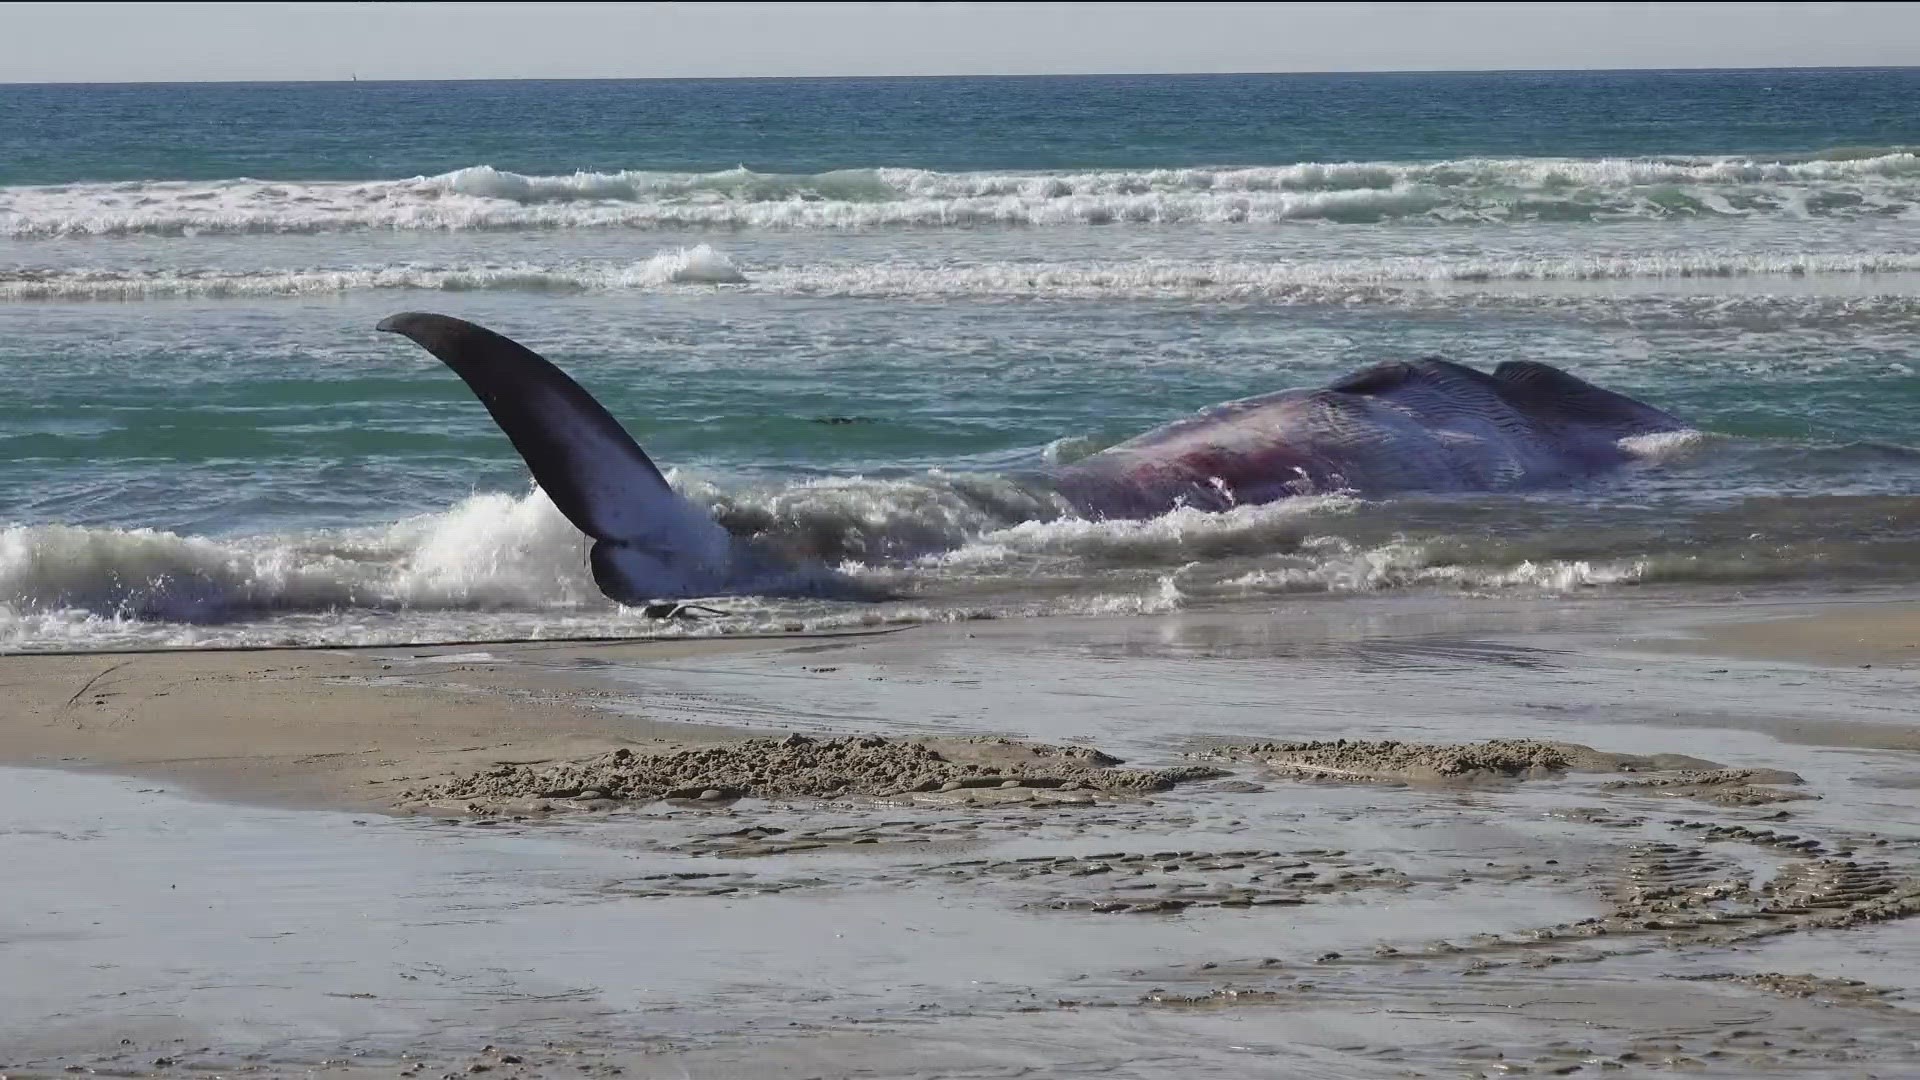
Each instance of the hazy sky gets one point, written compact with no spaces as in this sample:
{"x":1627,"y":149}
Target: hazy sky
{"x":190,"y":42}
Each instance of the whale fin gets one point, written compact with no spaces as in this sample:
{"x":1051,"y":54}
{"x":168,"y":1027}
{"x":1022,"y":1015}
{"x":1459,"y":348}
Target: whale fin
{"x":656,"y":543}
{"x":1374,"y":378}
{"x":1384,"y":378}
{"x":1545,"y":390}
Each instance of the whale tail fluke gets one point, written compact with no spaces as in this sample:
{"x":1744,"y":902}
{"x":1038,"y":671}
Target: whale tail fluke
{"x":651,"y":543}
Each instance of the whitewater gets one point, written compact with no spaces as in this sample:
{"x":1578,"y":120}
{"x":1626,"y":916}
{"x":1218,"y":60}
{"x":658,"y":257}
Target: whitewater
{"x":1864,"y":182}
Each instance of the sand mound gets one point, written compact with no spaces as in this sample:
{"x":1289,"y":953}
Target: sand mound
{"x":1726,"y":787}
{"x":800,"y":766}
{"x":1392,"y":760}
{"x":1406,"y":762}
{"x":1838,"y":990}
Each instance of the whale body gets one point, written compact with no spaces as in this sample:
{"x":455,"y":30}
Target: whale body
{"x":1428,"y":425}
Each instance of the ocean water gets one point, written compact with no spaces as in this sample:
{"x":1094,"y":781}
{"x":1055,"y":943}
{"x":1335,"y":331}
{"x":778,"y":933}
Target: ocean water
{"x":205,"y":442}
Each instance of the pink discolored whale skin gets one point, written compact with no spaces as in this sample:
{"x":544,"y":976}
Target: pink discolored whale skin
{"x":1424,"y":426}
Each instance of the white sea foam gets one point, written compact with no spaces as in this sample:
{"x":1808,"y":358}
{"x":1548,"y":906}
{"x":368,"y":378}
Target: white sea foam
{"x":1340,"y":567}
{"x":146,"y":574}
{"x":491,"y":551}
{"x":1304,"y":281}
{"x":1313,"y":281}
{"x":1176,"y":537}
{"x":698,"y":265}
{"x":482,"y":197}
{"x":1664,"y":446}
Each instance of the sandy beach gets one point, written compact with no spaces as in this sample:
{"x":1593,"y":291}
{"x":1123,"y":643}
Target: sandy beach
{"x":1341,"y":840}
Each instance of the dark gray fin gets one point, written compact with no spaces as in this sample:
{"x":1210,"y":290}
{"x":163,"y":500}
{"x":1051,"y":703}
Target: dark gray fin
{"x":1544,"y":390}
{"x":579,"y":454}
{"x":1394,"y":374}
{"x":650,"y":544}
{"x":1376,"y":379}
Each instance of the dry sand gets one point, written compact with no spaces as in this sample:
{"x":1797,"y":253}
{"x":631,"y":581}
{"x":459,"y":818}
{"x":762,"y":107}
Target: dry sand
{"x":1346,"y":840}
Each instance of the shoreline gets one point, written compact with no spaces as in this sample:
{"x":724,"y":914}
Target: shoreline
{"x":343,"y":727}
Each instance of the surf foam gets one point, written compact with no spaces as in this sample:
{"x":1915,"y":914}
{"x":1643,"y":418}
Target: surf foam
{"x":698,"y":265}
{"x":1478,"y":189}
{"x":1334,"y":282}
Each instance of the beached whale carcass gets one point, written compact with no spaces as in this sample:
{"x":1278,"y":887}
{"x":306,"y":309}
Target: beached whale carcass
{"x":1425,"y":425}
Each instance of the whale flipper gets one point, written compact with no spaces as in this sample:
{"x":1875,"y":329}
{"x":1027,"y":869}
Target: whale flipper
{"x":652,"y":543}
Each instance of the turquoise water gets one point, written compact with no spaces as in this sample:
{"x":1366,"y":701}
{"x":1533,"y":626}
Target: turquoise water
{"x":205,"y":441}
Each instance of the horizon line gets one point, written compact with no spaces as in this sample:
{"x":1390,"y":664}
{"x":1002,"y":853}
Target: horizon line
{"x":353,"y":78}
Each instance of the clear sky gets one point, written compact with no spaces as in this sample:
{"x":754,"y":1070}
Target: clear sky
{"x":196,"y":42}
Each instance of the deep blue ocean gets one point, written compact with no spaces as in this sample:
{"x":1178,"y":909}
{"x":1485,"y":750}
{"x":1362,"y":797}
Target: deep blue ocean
{"x":204,"y":441}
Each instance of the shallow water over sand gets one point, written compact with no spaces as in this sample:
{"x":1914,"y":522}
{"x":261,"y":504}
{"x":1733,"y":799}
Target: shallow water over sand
{"x":1386,"y":927}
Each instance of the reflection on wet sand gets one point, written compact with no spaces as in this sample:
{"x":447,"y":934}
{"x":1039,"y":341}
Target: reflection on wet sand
{"x":1377,"y":840}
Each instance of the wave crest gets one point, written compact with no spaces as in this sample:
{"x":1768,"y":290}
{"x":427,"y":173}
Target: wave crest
{"x":482,"y":197}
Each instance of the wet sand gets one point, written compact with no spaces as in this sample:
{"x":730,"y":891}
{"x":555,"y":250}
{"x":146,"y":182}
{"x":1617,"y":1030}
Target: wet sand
{"x":1842,"y":634}
{"x":325,"y":728}
{"x":1353,"y":839}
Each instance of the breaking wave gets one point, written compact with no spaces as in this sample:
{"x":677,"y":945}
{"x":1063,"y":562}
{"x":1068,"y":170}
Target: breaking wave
{"x":948,"y":547}
{"x":1478,"y":189}
{"x":492,"y":551}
